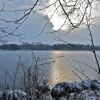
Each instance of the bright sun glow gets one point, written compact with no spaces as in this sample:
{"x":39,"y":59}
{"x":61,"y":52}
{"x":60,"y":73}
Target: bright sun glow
{"x":56,"y":20}
{"x":56,"y":16}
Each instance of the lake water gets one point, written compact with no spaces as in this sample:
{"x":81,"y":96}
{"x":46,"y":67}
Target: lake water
{"x":63,"y":69}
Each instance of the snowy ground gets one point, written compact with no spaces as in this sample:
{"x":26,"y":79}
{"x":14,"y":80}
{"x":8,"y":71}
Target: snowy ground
{"x":84,"y":95}
{"x":84,"y":90}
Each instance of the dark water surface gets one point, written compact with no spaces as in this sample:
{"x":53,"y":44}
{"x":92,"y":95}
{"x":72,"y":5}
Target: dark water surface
{"x":59,"y":71}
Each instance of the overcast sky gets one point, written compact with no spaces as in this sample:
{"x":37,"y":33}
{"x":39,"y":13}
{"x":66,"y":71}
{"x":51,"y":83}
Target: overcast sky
{"x":33,"y":26}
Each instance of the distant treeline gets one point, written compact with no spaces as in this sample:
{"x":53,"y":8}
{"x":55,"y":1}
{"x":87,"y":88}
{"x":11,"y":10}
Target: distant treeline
{"x":47,"y":47}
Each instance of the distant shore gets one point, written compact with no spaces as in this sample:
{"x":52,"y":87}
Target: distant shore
{"x":59,"y":47}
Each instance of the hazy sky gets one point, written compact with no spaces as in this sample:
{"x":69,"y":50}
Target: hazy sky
{"x":33,"y":26}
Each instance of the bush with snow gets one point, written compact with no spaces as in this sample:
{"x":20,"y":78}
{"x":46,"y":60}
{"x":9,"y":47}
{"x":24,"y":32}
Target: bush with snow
{"x":13,"y":95}
{"x":66,"y":89}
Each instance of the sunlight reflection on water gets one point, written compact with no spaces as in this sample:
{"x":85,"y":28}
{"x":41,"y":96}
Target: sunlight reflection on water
{"x":60,"y":70}
{"x":59,"y":73}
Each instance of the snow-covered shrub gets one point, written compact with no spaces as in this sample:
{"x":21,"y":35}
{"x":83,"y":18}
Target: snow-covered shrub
{"x":65,"y":89}
{"x":12,"y":95}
